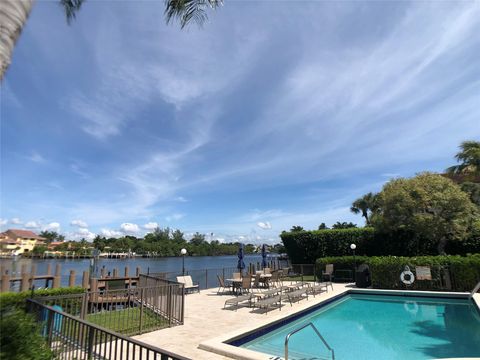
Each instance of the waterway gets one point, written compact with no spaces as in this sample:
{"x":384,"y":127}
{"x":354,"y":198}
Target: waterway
{"x":193,"y":265}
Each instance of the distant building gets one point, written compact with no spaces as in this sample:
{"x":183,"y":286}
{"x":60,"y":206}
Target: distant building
{"x":54,"y":244}
{"x":16,"y":242}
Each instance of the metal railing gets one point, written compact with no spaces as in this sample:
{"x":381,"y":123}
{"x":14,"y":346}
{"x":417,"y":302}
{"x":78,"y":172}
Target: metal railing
{"x":287,"y":338}
{"x":130,"y":311}
{"x":70,"y":337}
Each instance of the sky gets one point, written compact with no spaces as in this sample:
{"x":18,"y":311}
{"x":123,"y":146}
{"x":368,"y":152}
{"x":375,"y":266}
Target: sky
{"x":273,"y":114}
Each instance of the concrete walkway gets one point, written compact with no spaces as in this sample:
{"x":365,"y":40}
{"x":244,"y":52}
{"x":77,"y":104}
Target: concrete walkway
{"x":205,"y":319}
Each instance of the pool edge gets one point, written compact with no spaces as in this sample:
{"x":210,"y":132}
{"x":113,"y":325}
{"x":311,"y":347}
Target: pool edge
{"x":221,"y":344}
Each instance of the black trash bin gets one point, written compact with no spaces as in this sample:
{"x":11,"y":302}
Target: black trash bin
{"x":362,"y":276}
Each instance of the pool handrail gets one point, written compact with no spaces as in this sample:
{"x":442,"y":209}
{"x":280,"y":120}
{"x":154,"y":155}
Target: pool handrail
{"x":474,"y":291}
{"x":287,"y":338}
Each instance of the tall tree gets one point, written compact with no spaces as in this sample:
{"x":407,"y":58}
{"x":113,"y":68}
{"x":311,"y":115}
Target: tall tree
{"x":366,"y":205}
{"x":431,"y":206}
{"x":344,"y":225}
{"x":14,"y":14}
{"x":469,"y":158}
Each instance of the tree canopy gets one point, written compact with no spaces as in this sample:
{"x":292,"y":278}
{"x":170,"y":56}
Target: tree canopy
{"x":366,"y":205}
{"x":433,"y":207}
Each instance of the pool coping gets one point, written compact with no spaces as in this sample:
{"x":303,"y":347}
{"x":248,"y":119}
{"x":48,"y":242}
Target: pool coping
{"x":220,"y":345}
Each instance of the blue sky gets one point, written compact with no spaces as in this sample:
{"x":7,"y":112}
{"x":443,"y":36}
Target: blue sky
{"x":273,"y":114}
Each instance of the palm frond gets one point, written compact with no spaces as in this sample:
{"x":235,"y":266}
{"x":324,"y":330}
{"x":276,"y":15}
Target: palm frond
{"x":71,"y":8}
{"x":187,"y":11}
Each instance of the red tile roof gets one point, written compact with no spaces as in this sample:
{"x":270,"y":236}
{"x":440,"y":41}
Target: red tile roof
{"x":24,"y":234}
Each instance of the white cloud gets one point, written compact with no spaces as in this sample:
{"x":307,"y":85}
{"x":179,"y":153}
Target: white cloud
{"x":264,"y":225}
{"x":129,"y":228}
{"x":150,"y":226}
{"x":3,"y":221}
{"x":81,"y":233}
{"x":174,"y":217}
{"x":16,"y":221}
{"x":181,"y":199}
{"x":111,"y":233}
{"x":36,"y":157}
{"x":32,"y":225}
{"x":79,"y":223}
{"x":53,"y":226}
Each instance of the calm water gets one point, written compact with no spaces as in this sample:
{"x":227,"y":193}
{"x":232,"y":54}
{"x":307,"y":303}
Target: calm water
{"x":382,"y":327}
{"x":167,"y":264}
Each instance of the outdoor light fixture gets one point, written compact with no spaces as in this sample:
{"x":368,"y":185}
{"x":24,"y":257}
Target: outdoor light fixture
{"x":353,"y":247}
{"x":183,"y":252}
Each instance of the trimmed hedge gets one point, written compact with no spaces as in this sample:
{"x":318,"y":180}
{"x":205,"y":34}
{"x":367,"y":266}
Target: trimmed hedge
{"x":18,"y":300}
{"x":463,"y":272}
{"x":304,"y":247}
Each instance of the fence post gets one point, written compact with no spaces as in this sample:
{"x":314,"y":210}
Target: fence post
{"x":169,"y":305}
{"x":140,"y":320}
{"x":91,"y":336}
{"x":50,"y":328}
{"x":85,"y":279}
{"x":126,"y":271}
{"x":33,"y":272}
{"x":206,"y":278}
{"x":5,"y":282}
{"x":115,"y":272}
{"x":223,"y":273}
{"x":137,"y":271}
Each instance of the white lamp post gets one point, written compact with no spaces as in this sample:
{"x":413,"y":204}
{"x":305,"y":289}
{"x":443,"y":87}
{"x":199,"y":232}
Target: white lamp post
{"x":353,"y":247}
{"x":183,"y":252}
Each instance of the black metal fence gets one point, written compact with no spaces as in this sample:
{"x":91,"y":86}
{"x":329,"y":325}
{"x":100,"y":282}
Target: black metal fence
{"x":130,"y":311}
{"x":70,"y":337}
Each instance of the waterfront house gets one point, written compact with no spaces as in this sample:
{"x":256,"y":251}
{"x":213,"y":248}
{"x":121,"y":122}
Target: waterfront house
{"x":16,"y":242}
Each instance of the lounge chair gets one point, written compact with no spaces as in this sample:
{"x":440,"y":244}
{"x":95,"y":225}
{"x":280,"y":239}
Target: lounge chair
{"x":237,"y":300}
{"x":328,"y":274}
{"x":188,"y":283}
{"x":222,"y":287}
{"x":317,"y":288}
{"x":268,"y":302}
{"x":297,"y":295}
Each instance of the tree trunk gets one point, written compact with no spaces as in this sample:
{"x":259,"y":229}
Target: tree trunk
{"x":13,"y":15}
{"x":441,"y":246}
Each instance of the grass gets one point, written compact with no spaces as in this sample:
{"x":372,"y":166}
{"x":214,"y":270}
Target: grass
{"x":127,"y":321}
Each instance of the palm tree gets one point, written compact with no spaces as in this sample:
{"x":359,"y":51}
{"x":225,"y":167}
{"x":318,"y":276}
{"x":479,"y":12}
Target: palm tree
{"x":469,"y":156}
{"x":14,"y":14}
{"x":366,"y":205}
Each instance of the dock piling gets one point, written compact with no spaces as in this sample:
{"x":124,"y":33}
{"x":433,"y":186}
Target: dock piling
{"x":71,"y":279}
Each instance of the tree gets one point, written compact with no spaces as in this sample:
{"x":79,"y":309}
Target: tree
{"x":296,"y":228}
{"x":343,"y":225}
{"x":366,"y":205}
{"x":52,"y":236}
{"x":198,"y":239}
{"x":322,"y":226}
{"x":469,"y":157}
{"x":15,"y":13}
{"x":431,"y":206}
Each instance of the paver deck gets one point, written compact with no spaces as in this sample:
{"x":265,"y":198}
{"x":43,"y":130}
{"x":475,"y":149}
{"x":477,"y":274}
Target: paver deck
{"x":206,"y":319}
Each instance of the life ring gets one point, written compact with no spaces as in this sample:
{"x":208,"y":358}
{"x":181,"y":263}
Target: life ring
{"x":412,"y":310}
{"x":407,"y":277}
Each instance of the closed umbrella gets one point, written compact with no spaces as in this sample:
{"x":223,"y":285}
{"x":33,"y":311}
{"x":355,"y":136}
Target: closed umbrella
{"x":264,"y":256}
{"x":241,"y":264}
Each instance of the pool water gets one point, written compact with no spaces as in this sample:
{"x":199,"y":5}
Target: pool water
{"x":360,"y":326}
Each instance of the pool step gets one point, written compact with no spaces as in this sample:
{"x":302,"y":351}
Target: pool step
{"x":292,"y":354}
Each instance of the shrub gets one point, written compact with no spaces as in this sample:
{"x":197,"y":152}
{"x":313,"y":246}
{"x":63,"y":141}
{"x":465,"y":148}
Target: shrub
{"x":21,"y":338}
{"x":304,"y":247}
{"x":18,"y":300}
{"x":462,"y":272}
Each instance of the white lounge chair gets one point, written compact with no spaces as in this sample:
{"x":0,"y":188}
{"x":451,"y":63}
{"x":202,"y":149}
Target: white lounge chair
{"x":188,"y":283}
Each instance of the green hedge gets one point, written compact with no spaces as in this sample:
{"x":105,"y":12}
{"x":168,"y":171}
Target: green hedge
{"x":463,"y":272}
{"x":18,"y":300}
{"x":304,"y":247}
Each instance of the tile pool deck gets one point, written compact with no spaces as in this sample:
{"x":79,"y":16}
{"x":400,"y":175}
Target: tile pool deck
{"x":207,"y":325}
{"x":205,"y":321}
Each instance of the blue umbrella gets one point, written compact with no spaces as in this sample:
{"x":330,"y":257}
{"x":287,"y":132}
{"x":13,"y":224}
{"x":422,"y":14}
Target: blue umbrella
{"x":264,"y":256}
{"x":241,"y":264}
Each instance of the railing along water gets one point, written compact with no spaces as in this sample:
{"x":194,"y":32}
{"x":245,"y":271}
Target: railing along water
{"x":474,"y":291}
{"x":287,"y":338}
{"x":70,"y":337}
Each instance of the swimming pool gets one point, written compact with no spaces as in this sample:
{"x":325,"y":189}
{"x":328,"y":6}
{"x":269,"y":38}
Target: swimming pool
{"x":365,"y":326}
